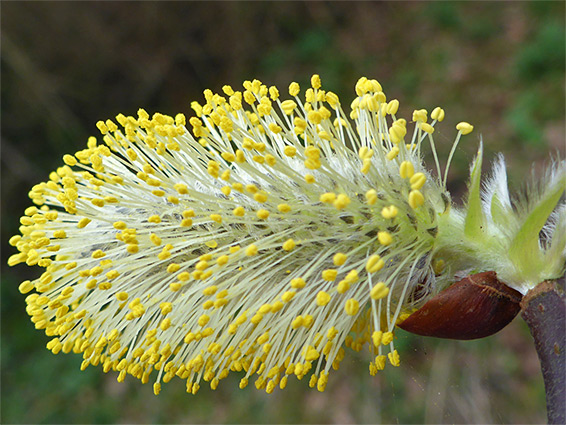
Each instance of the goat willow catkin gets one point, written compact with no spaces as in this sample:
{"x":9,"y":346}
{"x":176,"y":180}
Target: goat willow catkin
{"x":266,"y":240}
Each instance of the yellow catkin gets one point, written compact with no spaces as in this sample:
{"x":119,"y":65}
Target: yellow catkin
{"x":260,"y":236}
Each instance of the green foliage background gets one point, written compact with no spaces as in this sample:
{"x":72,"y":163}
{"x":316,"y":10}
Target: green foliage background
{"x":65,"y":65}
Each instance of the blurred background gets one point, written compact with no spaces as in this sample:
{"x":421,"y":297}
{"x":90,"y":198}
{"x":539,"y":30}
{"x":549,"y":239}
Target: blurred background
{"x":66,"y":65}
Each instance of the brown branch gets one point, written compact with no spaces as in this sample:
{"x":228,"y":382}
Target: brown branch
{"x":544,"y":310}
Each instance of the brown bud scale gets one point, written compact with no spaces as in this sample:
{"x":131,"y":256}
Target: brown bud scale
{"x":475,"y":307}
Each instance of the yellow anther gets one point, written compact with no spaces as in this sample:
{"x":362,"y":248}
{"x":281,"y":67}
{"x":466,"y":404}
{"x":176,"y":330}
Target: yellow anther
{"x":251,"y":250}
{"x":352,"y":307}
{"x":322,"y":298}
{"x":365,"y":152}
{"x":260,"y":197}
{"x":384,"y":238}
{"x":181,"y":188}
{"x":223,"y":259}
{"x":310,"y":98}
{"x":298,"y":283}
{"x":294,"y":89}
{"x":276,"y":306}
{"x":119,"y":225}
{"x":361,"y":87}
{"x":59,"y":234}
{"x":225,"y":175}
{"x":290,"y":151}
{"x":180,"y":120}
{"x":153,"y":182}
{"x":216,"y":218}
{"x":437,"y":114}
{"x":389,"y":212}
{"x":374,"y":264}
{"x":275,"y":128}
{"x":210,"y":290}
{"x":416,"y":199}
{"x":312,"y":164}
{"x":392,"y":107}
{"x":300,"y":125}
{"x":166,"y":308}
{"x":228,"y":90}
{"x":112,"y":274}
{"x":228,"y":156}
{"x":203,"y":320}
{"x":25,"y":287}
{"x":288,"y":106}
{"x":417,"y":181}
{"x":332,"y":99}
{"x":69,"y":160}
{"x":262,"y":214}
{"x":297,"y":322}
{"x":311,"y":354}
{"x":309,"y":178}
{"x":406,"y":170}
{"x":387,"y":338}
{"x":374,"y":86}
{"x":256,"y":318}
{"x":314,"y":116}
{"x":226,"y":190}
{"x":148,"y":169}
{"x":175,"y":286}
{"x":102,"y":127}
{"x":352,"y":276}
{"x":165,"y":324}
{"x":249,"y":97}
{"x":184,"y":276}
{"x":83,"y":222}
{"x":371,"y":197}
{"x":202,"y":265}
{"x":315,"y":81}
{"x":392,"y":154}
{"x":394,"y":358}
{"x":328,"y":198}
{"x":264,"y":309}
{"x":251,"y":188}
{"x":341,"y":201}
{"x":289,"y":245}
{"x":339,"y":259}
{"x":464,"y":127}
{"x":226,"y":124}
{"x":376,"y":338}
{"x":273,"y":92}
{"x":397,"y":131}
{"x":329,"y":274}
{"x":379,"y":291}
{"x":239,"y":211}
{"x":420,"y":115}
{"x":380,"y":362}
{"x":288,"y":296}
{"x":195,"y":388}
{"x":427,"y":128}
{"x":51,"y":215}
{"x":188,"y":214}
{"x":154,"y":219}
